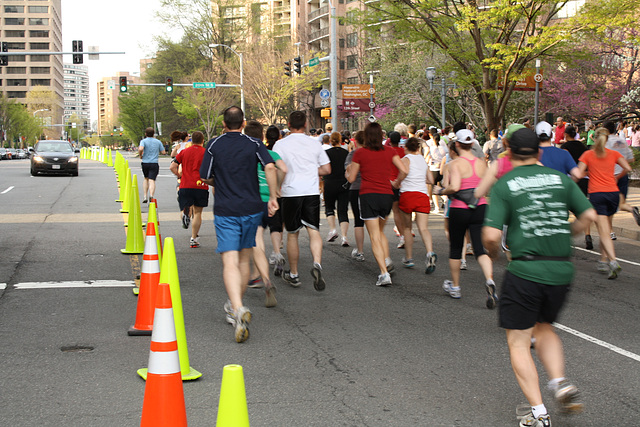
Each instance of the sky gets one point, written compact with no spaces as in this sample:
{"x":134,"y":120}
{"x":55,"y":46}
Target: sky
{"x":114,"y":26}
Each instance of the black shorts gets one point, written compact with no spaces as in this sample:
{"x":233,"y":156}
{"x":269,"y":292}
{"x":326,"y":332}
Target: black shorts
{"x":396,"y":195}
{"x":623,"y":185}
{"x":605,"y":203}
{"x":375,"y":205}
{"x":150,"y":170}
{"x":193,"y":197}
{"x":523,"y":303}
{"x":301,"y":211}
{"x":437,"y":176}
{"x":265,"y":216}
{"x":275,"y":221}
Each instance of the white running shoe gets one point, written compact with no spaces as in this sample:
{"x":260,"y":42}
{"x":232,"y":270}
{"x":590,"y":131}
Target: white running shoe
{"x":453,"y":291}
{"x":384,"y":279}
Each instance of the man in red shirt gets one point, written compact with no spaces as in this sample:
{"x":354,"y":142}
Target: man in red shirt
{"x":559,"y":131}
{"x":193,"y":192}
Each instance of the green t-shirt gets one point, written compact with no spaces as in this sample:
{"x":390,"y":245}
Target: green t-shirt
{"x":534,"y":202}
{"x":590,"y":140}
{"x":262,"y":179}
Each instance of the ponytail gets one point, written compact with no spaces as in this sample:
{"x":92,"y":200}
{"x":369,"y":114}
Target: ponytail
{"x":601,"y":137}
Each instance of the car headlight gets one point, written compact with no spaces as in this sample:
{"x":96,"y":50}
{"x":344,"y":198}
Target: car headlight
{"x":73,"y":159}
{"x":38,"y":159}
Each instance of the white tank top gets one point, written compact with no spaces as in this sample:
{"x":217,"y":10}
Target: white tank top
{"x":416,"y":180}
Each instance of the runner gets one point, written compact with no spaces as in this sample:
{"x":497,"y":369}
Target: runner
{"x":276,"y":224}
{"x":335,"y":190}
{"x":354,"y":193}
{"x":305,"y":160}
{"x":527,"y":199}
{"x":232,"y":159}
{"x":149,"y":151}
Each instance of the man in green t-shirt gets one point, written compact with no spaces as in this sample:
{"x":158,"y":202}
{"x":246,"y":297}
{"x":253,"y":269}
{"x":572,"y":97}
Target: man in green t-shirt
{"x":534,"y":202}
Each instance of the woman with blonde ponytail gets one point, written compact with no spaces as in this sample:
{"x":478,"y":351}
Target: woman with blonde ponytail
{"x":604,"y":194}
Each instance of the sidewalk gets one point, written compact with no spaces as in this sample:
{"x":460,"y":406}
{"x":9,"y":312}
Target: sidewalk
{"x":624,"y":225}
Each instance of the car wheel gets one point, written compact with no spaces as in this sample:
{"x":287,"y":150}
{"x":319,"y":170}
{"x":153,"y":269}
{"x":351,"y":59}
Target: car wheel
{"x":33,"y":172}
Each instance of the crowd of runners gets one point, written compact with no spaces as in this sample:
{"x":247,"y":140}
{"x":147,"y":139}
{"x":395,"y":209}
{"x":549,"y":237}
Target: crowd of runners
{"x":514,"y":194}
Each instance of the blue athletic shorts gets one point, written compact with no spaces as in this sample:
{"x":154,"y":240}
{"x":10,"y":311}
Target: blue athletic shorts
{"x":235,"y":233}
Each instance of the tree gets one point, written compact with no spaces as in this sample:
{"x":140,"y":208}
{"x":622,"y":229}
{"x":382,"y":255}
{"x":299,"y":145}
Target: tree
{"x":17,"y":123}
{"x":136,"y":111}
{"x":488,"y":45}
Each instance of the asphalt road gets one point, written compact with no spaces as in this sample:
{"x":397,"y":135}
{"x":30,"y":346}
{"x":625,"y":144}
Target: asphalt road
{"x":353,"y":355}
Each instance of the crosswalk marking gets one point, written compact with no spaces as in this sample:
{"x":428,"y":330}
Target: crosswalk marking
{"x":76,"y":284}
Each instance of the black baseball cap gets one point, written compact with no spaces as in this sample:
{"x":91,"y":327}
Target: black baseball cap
{"x":524,"y":142}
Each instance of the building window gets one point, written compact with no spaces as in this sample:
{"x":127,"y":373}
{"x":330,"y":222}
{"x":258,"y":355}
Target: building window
{"x":13,"y":21}
{"x":38,"y":9}
{"x":39,"y":58}
{"x":14,"y":33}
{"x":40,"y":82}
{"x":16,"y":82}
{"x":16,"y":58}
{"x":16,"y":70}
{"x":341,"y":43}
{"x":352,"y":40}
{"x":353,"y":80}
{"x":39,"y":33}
{"x":16,"y":45}
{"x":352,"y":62}
{"x":341,"y":64}
{"x":40,"y":70}
{"x":13,"y":94}
{"x":38,"y":21}
{"x":39,"y":46}
{"x":14,"y":9}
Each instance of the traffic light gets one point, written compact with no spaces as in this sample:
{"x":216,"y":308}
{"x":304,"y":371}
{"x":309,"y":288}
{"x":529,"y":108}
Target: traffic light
{"x":287,"y":68}
{"x":168,"y":82}
{"x":123,"y":84}
{"x":77,"y":47}
{"x":4,"y":59}
{"x":325,"y":113}
{"x":297,"y":67}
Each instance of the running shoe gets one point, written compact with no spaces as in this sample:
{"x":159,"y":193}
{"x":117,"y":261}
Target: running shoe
{"x":408,"y":263}
{"x":256,"y":283}
{"x":400,"y":243}
{"x":463,"y":265}
{"x":242,"y":317}
{"x":614,"y":270}
{"x":384,"y":280}
{"x":636,"y":214}
{"x":279,"y":265}
{"x":469,"y":249}
{"x":318,"y":281}
{"x":567,"y":396}
{"x":529,"y":420}
{"x":270,"y":295}
{"x":344,"y":243}
{"x":492,"y":298}
{"x":145,"y":200}
{"x":332,"y":236}
{"x":228,"y":311}
{"x":453,"y":291}
{"x":603,"y":267}
{"x":390,"y":267}
{"x":613,"y":236}
{"x":193,"y":243}
{"x":292,"y":280}
{"x":358,"y":256}
{"x":588,"y":242}
{"x":395,"y":230}
{"x":430,"y":263}
{"x":273,"y":257}
{"x":185,"y":221}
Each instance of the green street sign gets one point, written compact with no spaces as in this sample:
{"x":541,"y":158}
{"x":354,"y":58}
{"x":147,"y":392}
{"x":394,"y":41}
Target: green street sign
{"x":314,"y":61}
{"x":204,"y":85}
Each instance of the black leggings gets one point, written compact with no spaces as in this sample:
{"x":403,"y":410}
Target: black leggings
{"x":355,"y":207}
{"x":461,"y":220}
{"x":334,"y":191}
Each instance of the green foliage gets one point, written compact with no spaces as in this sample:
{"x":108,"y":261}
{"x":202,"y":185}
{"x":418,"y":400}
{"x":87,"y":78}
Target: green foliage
{"x":17,"y":123}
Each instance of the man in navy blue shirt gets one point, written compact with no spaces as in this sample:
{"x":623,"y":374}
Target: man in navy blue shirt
{"x":554,"y":157}
{"x":230,"y":165}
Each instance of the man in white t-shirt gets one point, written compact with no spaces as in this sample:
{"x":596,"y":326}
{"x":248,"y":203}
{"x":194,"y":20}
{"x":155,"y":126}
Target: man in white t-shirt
{"x":306,"y":161}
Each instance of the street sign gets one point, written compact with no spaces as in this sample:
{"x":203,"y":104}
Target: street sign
{"x":372,"y":118}
{"x":372,"y":105}
{"x":325,"y":94}
{"x":324,"y":102}
{"x":538,"y":77}
{"x":204,"y":85}
{"x":355,"y":104}
{"x":314,"y":62}
{"x":357,"y":91}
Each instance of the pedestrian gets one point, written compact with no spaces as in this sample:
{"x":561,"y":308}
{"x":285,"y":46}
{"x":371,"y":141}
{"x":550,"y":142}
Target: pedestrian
{"x":558,"y":131}
{"x":604,"y":194}
{"x":493,"y":147}
{"x":394,"y":141}
{"x":306,"y":160}
{"x":536,"y":283}
{"x":354,"y":193}
{"x":552,"y":156}
{"x":149,"y":150}
{"x":436,"y":150}
{"x":335,"y":190}
{"x":180,"y":142}
{"x":466,"y":213}
{"x":374,"y":162}
{"x":193,"y":195}
{"x":276,"y":224}
{"x":414,"y":198}
{"x":635,"y":137}
{"x":232,"y":158}
{"x":260,"y":278}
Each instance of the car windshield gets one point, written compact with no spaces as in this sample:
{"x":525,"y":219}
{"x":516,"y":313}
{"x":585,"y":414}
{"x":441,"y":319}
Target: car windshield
{"x":59,"y":147}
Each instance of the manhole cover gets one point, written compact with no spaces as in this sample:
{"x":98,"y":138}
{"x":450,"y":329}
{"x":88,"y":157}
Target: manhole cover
{"x":76,"y":348}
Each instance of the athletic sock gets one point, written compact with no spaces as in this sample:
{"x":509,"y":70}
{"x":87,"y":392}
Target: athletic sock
{"x":553,"y":384}
{"x":538,"y":410}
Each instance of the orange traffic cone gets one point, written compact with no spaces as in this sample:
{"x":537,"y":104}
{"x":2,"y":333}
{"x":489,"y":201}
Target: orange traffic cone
{"x":149,"y":278}
{"x":163,"y":403}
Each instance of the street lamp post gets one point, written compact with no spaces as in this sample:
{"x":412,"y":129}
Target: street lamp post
{"x":431,"y":76}
{"x":242,"y":105}
{"x":537,"y":97}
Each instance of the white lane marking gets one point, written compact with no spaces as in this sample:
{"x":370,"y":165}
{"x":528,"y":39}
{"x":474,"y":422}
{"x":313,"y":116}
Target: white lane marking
{"x":598,"y":342}
{"x":8,"y":189}
{"x":76,"y":284}
{"x":3,"y":286}
{"x":598,"y":253}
